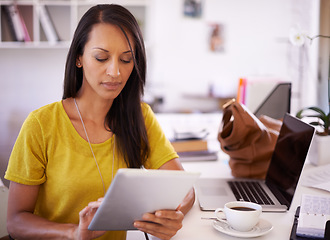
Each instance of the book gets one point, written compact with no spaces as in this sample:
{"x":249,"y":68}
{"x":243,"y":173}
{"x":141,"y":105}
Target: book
{"x":241,"y":90}
{"x":26,"y":34}
{"x":14,"y":20}
{"x":190,"y":145}
{"x":47,"y":24}
{"x":184,"y":134}
{"x":314,"y":214}
{"x":193,"y":156}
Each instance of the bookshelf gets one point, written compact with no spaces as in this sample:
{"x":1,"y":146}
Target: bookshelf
{"x":39,"y":16}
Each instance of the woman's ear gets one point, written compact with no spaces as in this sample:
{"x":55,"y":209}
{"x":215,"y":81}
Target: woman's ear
{"x":78,"y":63}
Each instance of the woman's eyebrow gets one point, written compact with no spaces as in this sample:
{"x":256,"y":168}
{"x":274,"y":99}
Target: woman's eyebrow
{"x":101,"y":49}
{"x":129,"y":51}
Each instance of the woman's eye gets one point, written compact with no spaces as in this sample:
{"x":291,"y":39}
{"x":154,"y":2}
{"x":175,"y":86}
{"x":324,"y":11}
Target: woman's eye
{"x":101,"y":59}
{"x":126,"y":60}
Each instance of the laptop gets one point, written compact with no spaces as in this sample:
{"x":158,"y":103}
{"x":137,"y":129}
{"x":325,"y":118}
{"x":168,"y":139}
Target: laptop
{"x":275,"y":193}
{"x":277,"y":103}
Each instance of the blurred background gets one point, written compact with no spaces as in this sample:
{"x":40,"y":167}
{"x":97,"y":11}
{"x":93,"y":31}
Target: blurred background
{"x":197,"y":52}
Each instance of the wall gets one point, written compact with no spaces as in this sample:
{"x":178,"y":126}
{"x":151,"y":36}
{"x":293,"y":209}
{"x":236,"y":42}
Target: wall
{"x":29,"y":79}
{"x":256,"y":43}
{"x":324,"y":58}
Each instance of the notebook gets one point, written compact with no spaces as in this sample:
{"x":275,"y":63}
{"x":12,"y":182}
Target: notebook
{"x":282,"y":176}
{"x":277,"y":103}
{"x":314,"y":214}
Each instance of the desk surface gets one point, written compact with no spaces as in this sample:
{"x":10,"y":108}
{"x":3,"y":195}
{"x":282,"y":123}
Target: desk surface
{"x":195,"y":228}
{"x":3,"y":209}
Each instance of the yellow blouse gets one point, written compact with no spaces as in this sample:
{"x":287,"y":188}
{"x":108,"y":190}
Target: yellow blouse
{"x":49,"y":152}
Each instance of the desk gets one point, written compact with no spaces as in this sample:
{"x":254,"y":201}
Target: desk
{"x":3,"y":209}
{"x":195,"y":228}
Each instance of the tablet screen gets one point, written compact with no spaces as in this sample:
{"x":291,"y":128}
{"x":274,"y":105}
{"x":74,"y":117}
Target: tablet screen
{"x":134,"y":192}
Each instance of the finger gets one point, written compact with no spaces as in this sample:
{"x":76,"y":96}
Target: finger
{"x":151,"y":221}
{"x":175,"y":215}
{"x":164,"y":222}
{"x":170,"y":219}
{"x":159,"y":235}
{"x":154,"y":229}
{"x":84,"y":212}
{"x":85,"y":217}
{"x":94,"y":204}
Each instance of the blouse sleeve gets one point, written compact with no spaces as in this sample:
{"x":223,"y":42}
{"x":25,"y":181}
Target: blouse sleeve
{"x":27,"y":161}
{"x":161,"y":150}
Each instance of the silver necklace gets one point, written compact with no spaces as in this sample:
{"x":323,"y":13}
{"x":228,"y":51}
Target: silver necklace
{"x":90,"y":145}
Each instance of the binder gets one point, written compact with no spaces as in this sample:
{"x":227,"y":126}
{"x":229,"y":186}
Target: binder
{"x":15,"y":22}
{"x":26,"y":34}
{"x":47,"y":24}
{"x":241,"y":90}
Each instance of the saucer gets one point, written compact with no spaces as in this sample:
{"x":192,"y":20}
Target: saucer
{"x":263,"y":227}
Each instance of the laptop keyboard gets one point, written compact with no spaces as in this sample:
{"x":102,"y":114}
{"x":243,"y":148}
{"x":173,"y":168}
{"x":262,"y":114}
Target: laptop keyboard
{"x":250,"y":191}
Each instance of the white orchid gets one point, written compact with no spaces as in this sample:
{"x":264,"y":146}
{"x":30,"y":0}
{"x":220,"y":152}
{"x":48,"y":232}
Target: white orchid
{"x":298,"y":37}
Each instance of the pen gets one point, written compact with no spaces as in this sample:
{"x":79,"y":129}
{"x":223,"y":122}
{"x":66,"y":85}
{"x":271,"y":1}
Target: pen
{"x":294,"y":226}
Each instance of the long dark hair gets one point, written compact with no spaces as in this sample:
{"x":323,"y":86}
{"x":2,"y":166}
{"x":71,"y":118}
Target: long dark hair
{"x":124,"y":118}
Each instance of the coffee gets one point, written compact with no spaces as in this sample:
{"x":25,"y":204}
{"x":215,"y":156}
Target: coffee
{"x":243,"y":208}
{"x":241,"y":216}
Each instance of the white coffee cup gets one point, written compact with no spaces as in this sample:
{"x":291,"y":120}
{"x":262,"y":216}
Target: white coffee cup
{"x":241,"y":216}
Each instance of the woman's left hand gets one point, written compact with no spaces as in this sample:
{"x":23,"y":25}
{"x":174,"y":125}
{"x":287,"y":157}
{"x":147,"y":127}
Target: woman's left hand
{"x":163,"y":224}
{"x":85,"y":217}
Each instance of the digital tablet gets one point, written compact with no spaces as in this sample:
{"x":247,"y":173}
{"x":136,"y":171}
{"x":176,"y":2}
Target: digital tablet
{"x":134,"y":192}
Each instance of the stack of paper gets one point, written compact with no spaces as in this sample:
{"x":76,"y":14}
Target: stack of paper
{"x":318,"y":178}
{"x":193,"y":146}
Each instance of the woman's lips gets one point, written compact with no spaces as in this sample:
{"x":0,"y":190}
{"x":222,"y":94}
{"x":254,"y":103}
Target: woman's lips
{"x":111,"y":85}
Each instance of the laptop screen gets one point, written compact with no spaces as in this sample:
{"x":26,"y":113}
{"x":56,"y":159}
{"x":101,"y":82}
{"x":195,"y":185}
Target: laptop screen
{"x":277,"y":103}
{"x":289,"y":156}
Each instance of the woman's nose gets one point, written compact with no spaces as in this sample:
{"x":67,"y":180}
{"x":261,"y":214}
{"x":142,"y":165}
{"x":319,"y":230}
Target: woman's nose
{"x":113,"y":69}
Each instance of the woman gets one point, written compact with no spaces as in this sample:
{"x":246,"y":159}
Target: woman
{"x":68,"y":152}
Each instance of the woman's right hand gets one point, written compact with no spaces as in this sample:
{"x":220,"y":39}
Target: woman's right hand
{"x":85,"y":217}
{"x":22,"y":223}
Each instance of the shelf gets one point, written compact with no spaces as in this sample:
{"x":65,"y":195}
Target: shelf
{"x":64,"y":16}
{"x":40,"y":45}
{"x":120,"y":2}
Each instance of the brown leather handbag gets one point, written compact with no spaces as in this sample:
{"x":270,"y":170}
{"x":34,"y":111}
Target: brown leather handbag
{"x":248,"y":140}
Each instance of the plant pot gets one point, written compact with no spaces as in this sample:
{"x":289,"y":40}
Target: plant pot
{"x":319,"y":153}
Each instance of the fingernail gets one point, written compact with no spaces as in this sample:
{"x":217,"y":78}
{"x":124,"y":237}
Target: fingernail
{"x":137,"y":225}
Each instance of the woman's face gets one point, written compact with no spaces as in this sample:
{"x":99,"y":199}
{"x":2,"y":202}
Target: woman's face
{"x":107,"y":61}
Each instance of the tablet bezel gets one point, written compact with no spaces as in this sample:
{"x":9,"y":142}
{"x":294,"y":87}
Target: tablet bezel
{"x":134,"y":192}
